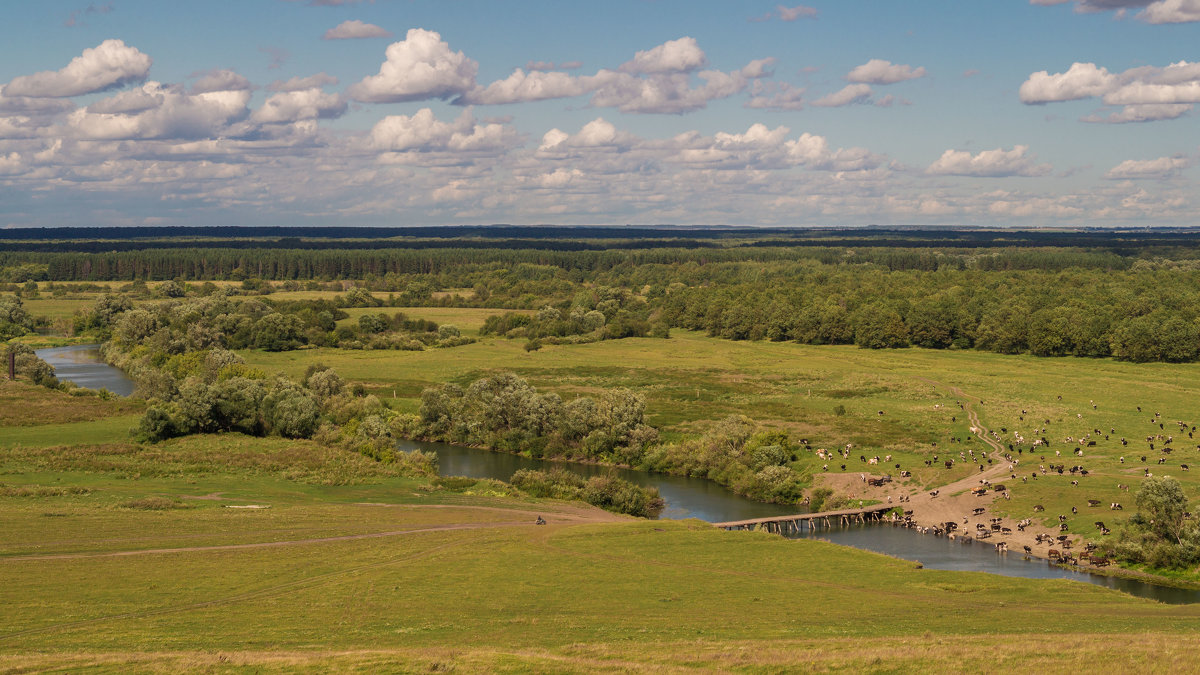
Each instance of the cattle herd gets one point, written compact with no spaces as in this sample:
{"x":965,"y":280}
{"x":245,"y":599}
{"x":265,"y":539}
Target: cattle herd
{"x":1034,"y":448}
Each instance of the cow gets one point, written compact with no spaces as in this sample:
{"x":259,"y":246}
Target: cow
{"x":1115,"y":506}
{"x":1054,"y":554}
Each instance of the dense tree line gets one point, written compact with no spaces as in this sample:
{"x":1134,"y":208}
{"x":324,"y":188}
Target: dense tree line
{"x":284,"y":263}
{"x":1042,"y":301}
{"x":1137,"y":316}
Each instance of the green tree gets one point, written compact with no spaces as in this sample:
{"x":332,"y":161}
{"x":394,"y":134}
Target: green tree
{"x":1163,"y":505}
{"x":14,"y":320}
{"x":278,"y":332}
{"x":290,"y":410}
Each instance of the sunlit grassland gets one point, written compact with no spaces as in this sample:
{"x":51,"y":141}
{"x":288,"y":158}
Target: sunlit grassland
{"x":59,"y":308}
{"x":690,"y":380}
{"x":509,"y":596}
{"x":25,"y":405}
{"x":621,"y":590}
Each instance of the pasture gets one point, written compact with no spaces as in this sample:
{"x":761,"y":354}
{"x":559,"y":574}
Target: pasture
{"x":117,"y":556}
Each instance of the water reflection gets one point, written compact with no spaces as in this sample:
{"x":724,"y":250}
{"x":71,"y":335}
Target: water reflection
{"x":685,"y":497}
{"x":942,"y":553}
{"x":82,"y":365}
{"x":703,"y":499}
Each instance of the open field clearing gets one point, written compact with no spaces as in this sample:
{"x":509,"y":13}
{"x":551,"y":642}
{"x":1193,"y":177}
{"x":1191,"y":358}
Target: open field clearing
{"x":486,"y":588}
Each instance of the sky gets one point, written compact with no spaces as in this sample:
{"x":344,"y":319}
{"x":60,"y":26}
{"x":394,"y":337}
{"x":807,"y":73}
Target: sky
{"x":1001,"y":113}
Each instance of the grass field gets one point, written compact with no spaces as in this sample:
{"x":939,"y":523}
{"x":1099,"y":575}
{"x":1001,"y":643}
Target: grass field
{"x":384,"y":572}
{"x":121,"y":557}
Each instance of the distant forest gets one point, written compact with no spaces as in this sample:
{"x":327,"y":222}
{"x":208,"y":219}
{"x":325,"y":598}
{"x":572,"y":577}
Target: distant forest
{"x":1132,"y":295}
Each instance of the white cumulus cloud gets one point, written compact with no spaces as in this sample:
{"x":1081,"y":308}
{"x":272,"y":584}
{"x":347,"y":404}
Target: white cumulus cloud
{"x":160,"y":112}
{"x":354,"y":29}
{"x":423,"y":132}
{"x":1147,"y":93}
{"x":1152,"y":11}
{"x":1171,"y":11}
{"x":848,"y":95}
{"x":1151,"y":112}
{"x":221,"y":80}
{"x":109,"y":65}
{"x":532,"y":86}
{"x":418,"y":68}
{"x":1082,"y":80}
{"x":676,"y":56}
{"x":299,"y":83}
{"x":1163,"y":167}
{"x":878,"y":71}
{"x":989,"y":163}
{"x":293,"y":106}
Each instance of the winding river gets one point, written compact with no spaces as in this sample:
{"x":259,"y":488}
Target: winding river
{"x":82,"y":365}
{"x":690,"y":498}
{"x":705,"y":500}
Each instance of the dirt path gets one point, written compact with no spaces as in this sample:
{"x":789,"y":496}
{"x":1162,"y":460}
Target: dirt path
{"x":954,"y":501}
{"x":561,"y":515}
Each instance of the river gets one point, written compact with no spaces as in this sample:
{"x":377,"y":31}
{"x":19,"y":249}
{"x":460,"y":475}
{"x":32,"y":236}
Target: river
{"x":691,"y":498}
{"x":705,"y":500}
{"x":82,"y":365}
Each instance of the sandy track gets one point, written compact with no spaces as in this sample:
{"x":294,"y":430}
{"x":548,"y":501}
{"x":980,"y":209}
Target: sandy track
{"x":560,"y":515}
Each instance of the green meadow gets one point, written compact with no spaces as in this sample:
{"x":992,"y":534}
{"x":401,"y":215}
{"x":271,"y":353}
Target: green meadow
{"x":117,"y":556}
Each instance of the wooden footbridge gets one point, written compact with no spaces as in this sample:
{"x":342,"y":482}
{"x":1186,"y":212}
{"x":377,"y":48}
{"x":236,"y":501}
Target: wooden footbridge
{"x":796,"y":523}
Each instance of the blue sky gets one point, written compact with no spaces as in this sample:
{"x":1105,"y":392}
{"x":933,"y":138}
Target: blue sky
{"x":399,"y":112}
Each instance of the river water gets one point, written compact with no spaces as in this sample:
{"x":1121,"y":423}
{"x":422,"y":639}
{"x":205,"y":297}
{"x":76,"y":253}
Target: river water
{"x":705,"y":500}
{"x":82,"y":365}
{"x":690,"y":498}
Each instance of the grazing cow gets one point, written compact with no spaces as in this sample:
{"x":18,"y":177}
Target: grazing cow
{"x":1093,"y":502}
{"x":1039,"y":508}
{"x":1028,"y":550}
{"x":1054,"y":554}
{"x":1115,"y":506}
{"x":978,"y":510}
